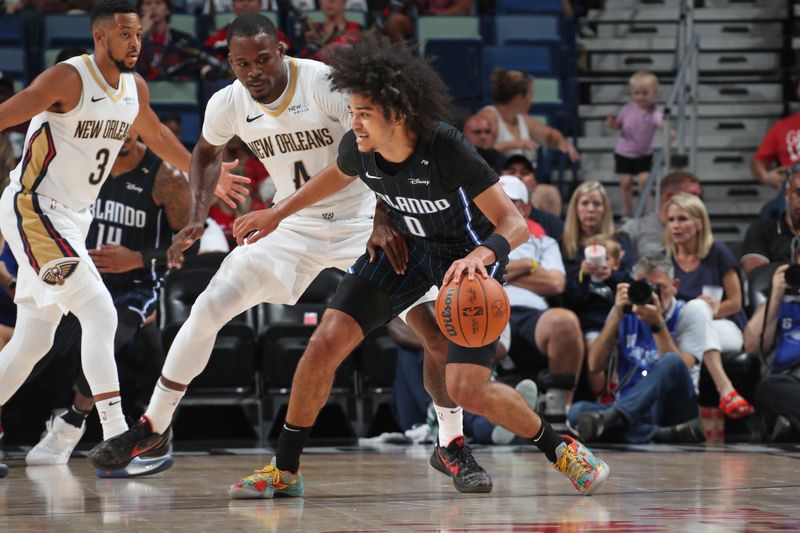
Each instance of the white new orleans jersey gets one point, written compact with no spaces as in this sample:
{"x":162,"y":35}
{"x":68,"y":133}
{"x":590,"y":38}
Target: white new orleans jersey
{"x":68,"y":156}
{"x":295,"y":138}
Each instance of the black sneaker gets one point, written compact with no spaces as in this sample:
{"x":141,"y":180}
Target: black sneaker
{"x":456,"y":461}
{"x":687,"y":432}
{"x":589,"y":426}
{"x":116,"y":452}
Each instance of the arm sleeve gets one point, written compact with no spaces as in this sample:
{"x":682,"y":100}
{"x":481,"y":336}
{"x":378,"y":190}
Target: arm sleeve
{"x":333,"y":103}
{"x":768,"y":149}
{"x":218,"y":127}
{"x":756,"y":241}
{"x":460,"y":165}
{"x":349,"y":158}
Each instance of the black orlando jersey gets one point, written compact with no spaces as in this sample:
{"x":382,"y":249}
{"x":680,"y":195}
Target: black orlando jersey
{"x":430,"y":195}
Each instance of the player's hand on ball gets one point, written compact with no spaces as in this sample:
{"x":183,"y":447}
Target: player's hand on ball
{"x":470,"y":265}
{"x":181,"y":241}
{"x":231,"y":188}
{"x":255,"y":226}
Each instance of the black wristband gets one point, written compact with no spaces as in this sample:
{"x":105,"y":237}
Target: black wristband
{"x":159,"y":256}
{"x":499,"y":245}
{"x":655,"y":328}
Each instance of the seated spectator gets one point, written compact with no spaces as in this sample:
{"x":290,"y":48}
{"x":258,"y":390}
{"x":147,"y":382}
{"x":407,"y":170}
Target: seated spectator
{"x":660,"y":345}
{"x":773,"y":333}
{"x":217,"y":42}
{"x":521,"y":167}
{"x":769,"y":238}
{"x":478,"y":132}
{"x":399,"y":20}
{"x":515,"y":131}
{"x":778,"y":152}
{"x":541,"y":337}
{"x":322,"y":38}
{"x":703,"y":267}
{"x":588,"y":215}
{"x":647,"y":232}
{"x":162,"y":56}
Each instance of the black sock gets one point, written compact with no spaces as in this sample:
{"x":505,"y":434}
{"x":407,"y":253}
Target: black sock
{"x":290,"y":445}
{"x":74,"y":417}
{"x":547,"y":440}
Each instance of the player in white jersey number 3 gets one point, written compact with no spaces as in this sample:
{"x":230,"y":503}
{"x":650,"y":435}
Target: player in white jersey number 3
{"x":286,"y":112}
{"x":80,"y":113}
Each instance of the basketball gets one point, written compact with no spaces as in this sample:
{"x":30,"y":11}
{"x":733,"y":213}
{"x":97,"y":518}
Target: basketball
{"x":473,"y":312}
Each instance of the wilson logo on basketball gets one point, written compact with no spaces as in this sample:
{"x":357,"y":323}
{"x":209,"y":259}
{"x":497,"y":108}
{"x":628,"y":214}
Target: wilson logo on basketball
{"x":472,"y":311}
{"x":447,"y":314}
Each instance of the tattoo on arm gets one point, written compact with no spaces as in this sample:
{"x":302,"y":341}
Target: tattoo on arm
{"x":171,"y":192}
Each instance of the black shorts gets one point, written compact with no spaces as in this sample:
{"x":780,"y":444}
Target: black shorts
{"x":523,"y":350}
{"x":632,"y":165}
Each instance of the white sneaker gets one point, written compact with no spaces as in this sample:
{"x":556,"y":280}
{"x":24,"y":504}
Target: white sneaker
{"x":58,"y":441}
{"x":528,"y":389}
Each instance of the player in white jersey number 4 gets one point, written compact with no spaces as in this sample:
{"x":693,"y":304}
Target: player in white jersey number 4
{"x":80,"y":112}
{"x":285,"y":110}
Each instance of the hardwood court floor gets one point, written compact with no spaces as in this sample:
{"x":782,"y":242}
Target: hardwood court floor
{"x":727,"y":489}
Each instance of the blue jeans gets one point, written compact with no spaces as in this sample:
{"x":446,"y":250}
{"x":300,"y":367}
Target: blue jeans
{"x":665,"y":397}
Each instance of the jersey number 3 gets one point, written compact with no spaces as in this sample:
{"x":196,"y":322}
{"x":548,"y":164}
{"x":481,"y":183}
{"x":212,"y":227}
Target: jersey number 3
{"x":102,"y":161}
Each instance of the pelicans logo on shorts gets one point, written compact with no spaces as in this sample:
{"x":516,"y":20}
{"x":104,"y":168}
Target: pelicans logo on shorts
{"x":57,"y":273}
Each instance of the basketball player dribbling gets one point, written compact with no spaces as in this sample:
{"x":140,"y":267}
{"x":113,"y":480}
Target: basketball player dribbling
{"x":80,"y":113}
{"x":286,"y":112}
{"x":457,"y":221}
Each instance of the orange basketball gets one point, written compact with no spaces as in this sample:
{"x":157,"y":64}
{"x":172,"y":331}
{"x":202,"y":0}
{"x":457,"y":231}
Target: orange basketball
{"x":473,"y":312}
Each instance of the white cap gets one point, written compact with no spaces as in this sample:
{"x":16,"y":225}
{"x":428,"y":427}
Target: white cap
{"x":515,"y":188}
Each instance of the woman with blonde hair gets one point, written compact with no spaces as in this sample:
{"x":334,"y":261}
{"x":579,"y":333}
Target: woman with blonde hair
{"x":514,"y":130}
{"x":707,"y":271}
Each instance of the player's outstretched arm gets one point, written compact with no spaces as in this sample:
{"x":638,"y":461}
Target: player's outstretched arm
{"x":57,"y":88}
{"x":264,"y":221}
{"x":508,"y":224}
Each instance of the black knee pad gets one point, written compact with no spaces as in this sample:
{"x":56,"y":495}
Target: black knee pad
{"x":364,"y":301}
{"x":481,"y":355}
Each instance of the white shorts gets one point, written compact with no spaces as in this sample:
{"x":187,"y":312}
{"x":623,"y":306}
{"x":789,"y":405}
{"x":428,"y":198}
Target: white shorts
{"x":278,"y":268}
{"x":48,"y":240}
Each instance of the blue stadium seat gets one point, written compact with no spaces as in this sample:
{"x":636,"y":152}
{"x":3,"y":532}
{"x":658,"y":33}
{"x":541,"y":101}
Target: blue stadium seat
{"x":531,"y":29}
{"x":12,"y":62}
{"x":11,"y":30}
{"x":446,"y":27}
{"x":529,"y":6}
{"x":459,"y":63}
{"x":67,"y":30}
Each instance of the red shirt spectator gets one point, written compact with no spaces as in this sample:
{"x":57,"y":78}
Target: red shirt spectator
{"x":782,"y":143}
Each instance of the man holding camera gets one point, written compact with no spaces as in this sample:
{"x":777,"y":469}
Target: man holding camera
{"x":660,"y":342}
{"x":776,"y":337}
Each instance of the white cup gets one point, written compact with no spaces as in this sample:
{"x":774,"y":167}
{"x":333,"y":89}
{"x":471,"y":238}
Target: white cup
{"x":715,"y":293}
{"x":596,"y":255}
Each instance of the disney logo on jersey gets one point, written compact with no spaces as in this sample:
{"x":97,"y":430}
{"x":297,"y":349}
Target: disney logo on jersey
{"x":298,"y":108}
{"x":417,"y":181}
{"x":414,"y":206}
{"x":133,"y":187}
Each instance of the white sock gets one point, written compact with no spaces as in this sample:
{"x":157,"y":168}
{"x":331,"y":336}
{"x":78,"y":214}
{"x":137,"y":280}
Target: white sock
{"x":162,"y":406}
{"x":111,"y":417}
{"x":451,"y":423}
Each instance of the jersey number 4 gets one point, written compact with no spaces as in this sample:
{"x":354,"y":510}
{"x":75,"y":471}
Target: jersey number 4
{"x":300,"y":174}
{"x":102,"y":161}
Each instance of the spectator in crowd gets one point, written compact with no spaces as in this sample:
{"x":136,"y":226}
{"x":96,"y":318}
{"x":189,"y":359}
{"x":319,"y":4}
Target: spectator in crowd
{"x":647,"y":232}
{"x":660,"y":345}
{"x":400,"y":22}
{"x":773,"y":333}
{"x":541,"y":336}
{"x":637,"y":122}
{"x":769,"y":238}
{"x":707,"y":270}
{"x":322,"y":38}
{"x":310,"y":5}
{"x":521,"y":167}
{"x":173,"y":122}
{"x":164,"y":50}
{"x":514,"y":130}
{"x":778,"y":152}
{"x":217,"y":42}
{"x":478,"y":131}
{"x":588,"y":215}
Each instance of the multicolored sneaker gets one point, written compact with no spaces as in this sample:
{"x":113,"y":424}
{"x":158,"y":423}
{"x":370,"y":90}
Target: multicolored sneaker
{"x":575,"y":461}
{"x":139,"y":466}
{"x":268,"y":482}
{"x":115,"y":453}
{"x":457,"y":462}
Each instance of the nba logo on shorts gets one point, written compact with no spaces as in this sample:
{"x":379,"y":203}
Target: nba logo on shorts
{"x":310,"y":319}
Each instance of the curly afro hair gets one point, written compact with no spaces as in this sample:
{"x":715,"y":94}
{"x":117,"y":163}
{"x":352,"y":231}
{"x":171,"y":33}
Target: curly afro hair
{"x":404,"y":86}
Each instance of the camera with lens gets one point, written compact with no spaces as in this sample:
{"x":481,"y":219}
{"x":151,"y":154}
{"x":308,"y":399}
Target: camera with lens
{"x":792,"y":276}
{"x":640,"y":292}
